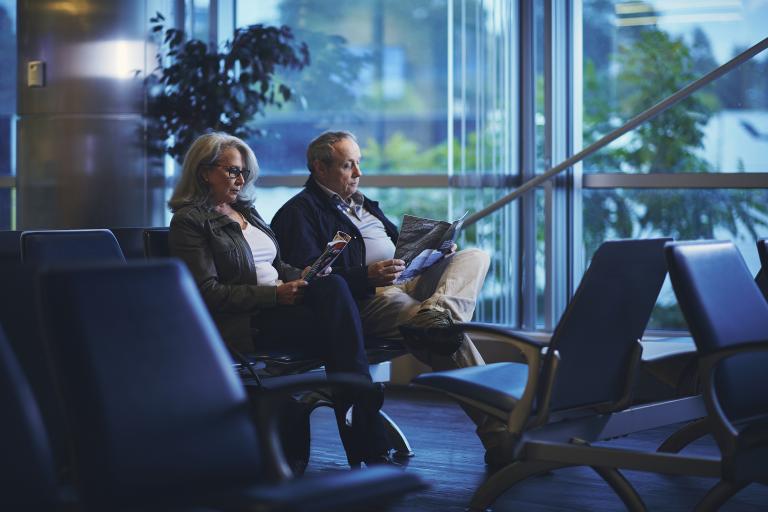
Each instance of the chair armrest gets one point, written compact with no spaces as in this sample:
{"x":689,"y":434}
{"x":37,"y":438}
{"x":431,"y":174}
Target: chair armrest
{"x":707,"y":364}
{"x":339,"y":491}
{"x":528,"y":347}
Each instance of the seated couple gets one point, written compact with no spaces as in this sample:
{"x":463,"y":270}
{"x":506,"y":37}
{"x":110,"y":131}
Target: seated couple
{"x":251,"y":279}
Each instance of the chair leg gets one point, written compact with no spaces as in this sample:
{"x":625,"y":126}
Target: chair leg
{"x":718,"y":495}
{"x":685,"y":435}
{"x":396,"y":437}
{"x":622,"y":488}
{"x":507,"y":477}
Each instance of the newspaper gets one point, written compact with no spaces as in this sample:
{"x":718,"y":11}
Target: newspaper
{"x":331,"y":252}
{"x":423,"y":242}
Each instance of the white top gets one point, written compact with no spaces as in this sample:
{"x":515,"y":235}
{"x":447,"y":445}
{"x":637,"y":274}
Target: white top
{"x":378,"y":245}
{"x":264,"y":253}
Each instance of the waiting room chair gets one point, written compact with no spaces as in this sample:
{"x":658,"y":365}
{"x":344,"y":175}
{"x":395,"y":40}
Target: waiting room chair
{"x":156,"y":243}
{"x":160,"y":418}
{"x":579,"y":386}
{"x":27,"y":473}
{"x":20,"y":319}
{"x":279,"y":362}
{"x":131,"y":241}
{"x":10,"y":247}
{"x":70,"y":246}
{"x":762,"y":275}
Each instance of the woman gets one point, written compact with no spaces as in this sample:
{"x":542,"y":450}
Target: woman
{"x":256,"y":299}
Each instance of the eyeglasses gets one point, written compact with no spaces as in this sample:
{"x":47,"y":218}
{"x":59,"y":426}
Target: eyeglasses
{"x":233,"y":171}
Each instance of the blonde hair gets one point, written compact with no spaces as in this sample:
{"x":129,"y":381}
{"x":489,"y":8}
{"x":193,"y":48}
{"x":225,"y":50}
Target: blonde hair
{"x":192,"y":189}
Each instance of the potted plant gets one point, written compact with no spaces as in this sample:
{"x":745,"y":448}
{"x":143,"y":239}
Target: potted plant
{"x":195,"y":88}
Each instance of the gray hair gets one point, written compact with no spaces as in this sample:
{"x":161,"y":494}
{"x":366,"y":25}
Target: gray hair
{"x":192,"y":190}
{"x":321,"y":148}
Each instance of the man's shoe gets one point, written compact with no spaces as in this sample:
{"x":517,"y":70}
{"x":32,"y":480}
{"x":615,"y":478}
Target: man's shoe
{"x":430,"y":329}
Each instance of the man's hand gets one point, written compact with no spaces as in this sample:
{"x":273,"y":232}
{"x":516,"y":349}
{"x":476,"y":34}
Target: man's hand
{"x":291,"y":292}
{"x":452,"y":250}
{"x":384,"y":273}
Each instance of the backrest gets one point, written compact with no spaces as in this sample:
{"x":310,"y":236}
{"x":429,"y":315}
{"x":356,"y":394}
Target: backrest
{"x":607,"y":315}
{"x":156,"y":243}
{"x":20,"y":318}
{"x":70,"y":246}
{"x":131,"y":241}
{"x":723,"y":306}
{"x":762,"y":275}
{"x":10,"y":247}
{"x":148,"y":382}
{"x":27,"y":477}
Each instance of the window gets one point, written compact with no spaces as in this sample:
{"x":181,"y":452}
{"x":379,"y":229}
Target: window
{"x":636,"y":54}
{"x":7,"y":114}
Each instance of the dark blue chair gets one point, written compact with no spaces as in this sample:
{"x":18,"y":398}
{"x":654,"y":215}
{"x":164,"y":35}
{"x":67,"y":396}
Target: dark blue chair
{"x":10,"y":247}
{"x":580,"y":385}
{"x":70,"y":246}
{"x":279,"y":362}
{"x":27,"y":472}
{"x":728,"y":319}
{"x":160,"y":418}
{"x":20,"y":317}
{"x":156,"y":243}
{"x":131,"y":241}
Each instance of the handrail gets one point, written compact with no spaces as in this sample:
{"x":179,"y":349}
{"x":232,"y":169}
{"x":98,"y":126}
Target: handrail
{"x":618,"y":132}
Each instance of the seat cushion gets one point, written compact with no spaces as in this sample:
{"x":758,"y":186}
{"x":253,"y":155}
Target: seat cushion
{"x":499,"y":385}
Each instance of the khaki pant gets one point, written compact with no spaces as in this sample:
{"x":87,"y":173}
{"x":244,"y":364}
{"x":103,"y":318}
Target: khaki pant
{"x":451,"y":285}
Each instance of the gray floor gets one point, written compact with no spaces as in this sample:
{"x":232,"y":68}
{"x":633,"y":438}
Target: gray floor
{"x":450,"y":458}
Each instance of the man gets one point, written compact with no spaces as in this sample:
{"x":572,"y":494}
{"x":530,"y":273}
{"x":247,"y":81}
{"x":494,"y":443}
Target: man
{"x":445,"y":292}
{"x":331,"y":202}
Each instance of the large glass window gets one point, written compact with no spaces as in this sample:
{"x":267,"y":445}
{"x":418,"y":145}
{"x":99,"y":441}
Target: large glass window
{"x":635,"y":54}
{"x":7,"y":113}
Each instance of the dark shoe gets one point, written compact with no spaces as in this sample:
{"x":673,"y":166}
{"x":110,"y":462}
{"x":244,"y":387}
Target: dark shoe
{"x":432,"y":330}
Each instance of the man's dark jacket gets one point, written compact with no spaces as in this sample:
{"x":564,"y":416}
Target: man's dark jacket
{"x":220,"y":259}
{"x":310,"y":219}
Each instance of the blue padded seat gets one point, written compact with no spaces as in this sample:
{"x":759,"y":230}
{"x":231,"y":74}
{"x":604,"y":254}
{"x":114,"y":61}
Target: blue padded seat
{"x":159,"y":416}
{"x":728,"y":317}
{"x":70,"y":246}
{"x":27,"y":474}
{"x":500,"y":385}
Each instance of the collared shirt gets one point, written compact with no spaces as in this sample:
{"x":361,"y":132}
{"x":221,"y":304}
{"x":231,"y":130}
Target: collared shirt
{"x":378,"y":245}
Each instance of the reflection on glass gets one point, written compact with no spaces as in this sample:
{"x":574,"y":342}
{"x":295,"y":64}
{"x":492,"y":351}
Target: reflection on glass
{"x":7,"y":85}
{"x":377,"y":69}
{"x":8,"y":208}
{"x":722,"y":214}
{"x":496,"y":235}
{"x":638,"y":53}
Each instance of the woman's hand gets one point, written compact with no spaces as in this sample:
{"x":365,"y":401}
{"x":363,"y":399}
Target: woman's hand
{"x":291,"y":292}
{"x":384,"y":273}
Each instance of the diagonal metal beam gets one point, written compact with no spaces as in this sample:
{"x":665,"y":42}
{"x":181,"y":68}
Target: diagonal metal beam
{"x":618,"y":132}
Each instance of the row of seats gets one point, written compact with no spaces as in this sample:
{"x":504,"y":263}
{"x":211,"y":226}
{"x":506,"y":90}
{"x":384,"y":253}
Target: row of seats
{"x":128,"y":395}
{"x":578,"y":389}
{"x":134,"y":243}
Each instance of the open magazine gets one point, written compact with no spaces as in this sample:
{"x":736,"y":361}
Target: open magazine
{"x":331,"y":252}
{"x":423,"y":242}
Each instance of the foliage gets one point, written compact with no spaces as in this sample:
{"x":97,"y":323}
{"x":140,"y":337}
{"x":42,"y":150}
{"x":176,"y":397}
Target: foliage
{"x":652,"y":68}
{"x":196,"y":89}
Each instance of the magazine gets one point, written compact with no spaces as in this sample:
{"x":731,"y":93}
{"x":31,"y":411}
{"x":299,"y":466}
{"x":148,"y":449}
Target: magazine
{"x":424,"y":242}
{"x":331,"y":252}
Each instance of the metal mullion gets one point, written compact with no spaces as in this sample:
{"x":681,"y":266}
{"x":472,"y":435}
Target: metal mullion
{"x":527,"y":142}
{"x":743,"y":180}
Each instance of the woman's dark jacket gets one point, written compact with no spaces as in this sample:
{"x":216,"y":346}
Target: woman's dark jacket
{"x":219,"y":258}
